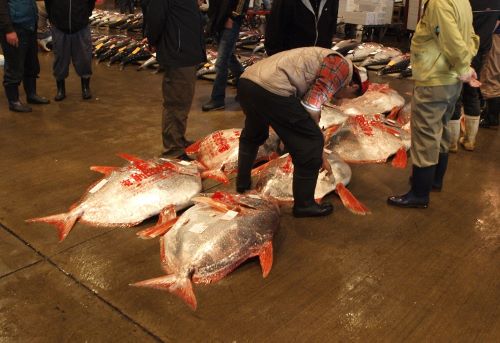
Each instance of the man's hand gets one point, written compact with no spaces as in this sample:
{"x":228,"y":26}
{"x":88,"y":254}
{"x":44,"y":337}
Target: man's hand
{"x":468,"y":76}
{"x":12,"y":39}
{"x":326,"y":165}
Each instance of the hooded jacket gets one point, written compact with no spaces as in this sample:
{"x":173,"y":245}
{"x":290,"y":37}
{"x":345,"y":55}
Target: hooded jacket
{"x":69,"y":16}
{"x":19,"y":12}
{"x":174,"y":28}
{"x":294,"y":23}
{"x":292,"y":72}
{"x":444,"y":43}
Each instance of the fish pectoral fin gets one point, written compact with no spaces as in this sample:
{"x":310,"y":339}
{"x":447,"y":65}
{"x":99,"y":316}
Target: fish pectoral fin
{"x":330,"y":132}
{"x":64,"y":222}
{"x":106,"y":170}
{"x":157,"y":230}
{"x":194,"y":148}
{"x":216,"y":205}
{"x":350,"y":202}
{"x":181,"y":287}
{"x":401,"y":159}
{"x":167,"y":214}
{"x":216,"y":175}
{"x":266,"y":258}
{"x":394,"y":113}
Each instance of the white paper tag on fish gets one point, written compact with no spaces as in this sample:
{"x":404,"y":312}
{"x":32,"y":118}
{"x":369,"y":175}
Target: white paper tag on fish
{"x":229,"y":215}
{"x":184,"y":163}
{"x":198,"y":228}
{"x":98,"y":186}
{"x":328,"y":151}
{"x":254,"y":196}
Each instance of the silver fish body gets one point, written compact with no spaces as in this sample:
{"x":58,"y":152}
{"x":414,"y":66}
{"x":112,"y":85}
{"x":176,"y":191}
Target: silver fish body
{"x":345,"y":46}
{"x":367,"y":139}
{"x":128,"y":195}
{"x":382,"y":57}
{"x":205,"y":245}
{"x":363,"y":51}
{"x":396,"y":64}
{"x":275,"y":180}
{"x":379,"y":98}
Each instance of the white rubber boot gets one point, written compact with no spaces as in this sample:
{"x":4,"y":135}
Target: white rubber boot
{"x":468,"y":141}
{"x":454,"y":126}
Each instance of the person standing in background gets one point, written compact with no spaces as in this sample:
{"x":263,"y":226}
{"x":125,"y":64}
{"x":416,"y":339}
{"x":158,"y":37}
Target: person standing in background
{"x":442,"y":49}
{"x":71,"y":42}
{"x":300,"y":23}
{"x":485,"y":15}
{"x":18,"y":20}
{"x":225,"y":18}
{"x":490,"y":87}
{"x":174,"y":29}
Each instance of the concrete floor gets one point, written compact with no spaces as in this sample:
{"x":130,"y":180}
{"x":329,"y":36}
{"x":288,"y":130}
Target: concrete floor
{"x":395,"y":275}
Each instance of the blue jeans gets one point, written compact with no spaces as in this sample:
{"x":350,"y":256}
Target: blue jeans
{"x":226,"y":60}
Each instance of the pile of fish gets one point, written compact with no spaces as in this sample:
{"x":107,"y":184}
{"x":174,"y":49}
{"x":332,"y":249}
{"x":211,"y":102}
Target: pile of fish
{"x":114,"y":20}
{"x":128,"y":195}
{"x":120,"y":49}
{"x":212,"y":238}
{"x":375,"y":55}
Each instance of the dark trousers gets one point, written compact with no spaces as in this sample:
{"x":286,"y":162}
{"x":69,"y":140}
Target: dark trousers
{"x":21,"y":62}
{"x":178,"y":92}
{"x":300,"y":134}
{"x":72,"y":47}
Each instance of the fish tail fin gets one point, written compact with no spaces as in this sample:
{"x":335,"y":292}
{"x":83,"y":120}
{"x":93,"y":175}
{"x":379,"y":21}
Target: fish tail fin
{"x":266,"y":258}
{"x":64,"y":222}
{"x":216,"y":175}
{"x":105,"y":170}
{"x":401,"y":159}
{"x":181,"y":287}
{"x":350,"y":201}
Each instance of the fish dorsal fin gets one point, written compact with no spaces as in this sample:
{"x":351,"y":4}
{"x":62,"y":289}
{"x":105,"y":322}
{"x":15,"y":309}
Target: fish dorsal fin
{"x":106,"y":170}
{"x":131,"y":158}
{"x":64,"y":222}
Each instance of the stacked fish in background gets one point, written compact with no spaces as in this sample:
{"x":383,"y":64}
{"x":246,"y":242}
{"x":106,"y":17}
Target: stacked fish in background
{"x":386,"y":60}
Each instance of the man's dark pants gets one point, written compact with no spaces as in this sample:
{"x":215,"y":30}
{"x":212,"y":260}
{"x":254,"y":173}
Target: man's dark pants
{"x":72,"y":47}
{"x":21,"y":63}
{"x":178,"y":91}
{"x":300,"y":134}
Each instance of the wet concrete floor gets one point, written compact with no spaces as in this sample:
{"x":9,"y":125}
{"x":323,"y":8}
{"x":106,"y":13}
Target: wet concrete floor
{"x":395,"y":275}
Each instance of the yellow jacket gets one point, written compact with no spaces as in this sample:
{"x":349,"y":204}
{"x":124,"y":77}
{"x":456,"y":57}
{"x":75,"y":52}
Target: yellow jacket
{"x":444,"y":43}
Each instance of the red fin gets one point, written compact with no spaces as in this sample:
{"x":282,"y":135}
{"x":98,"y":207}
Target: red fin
{"x":266,"y":258}
{"x":393,"y":115}
{"x":131,"y":158}
{"x":103,"y":169}
{"x":179,"y":286}
{"x":350,"y":201}
{"x":194,"y":148}
{"x":157,"y":230}
{"x":216,"y":205}
{"x":401,"y":159}
{"x":64,"y":222}
{"x":257,"y":170}
{"x":216,"y":175}
{"x":330,"y":132}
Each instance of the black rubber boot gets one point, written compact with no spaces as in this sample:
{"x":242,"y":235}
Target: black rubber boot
{"x":12,"y":94}
{"x":437,"y":184}
{"x":303,"y":193}
{"x":86,"y":94}
{"x":418,"y":196}
{"x":246,"y":158}
{"x":29,"y":84}
{"x":489,"y":117}
{"x":61,"y":90}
